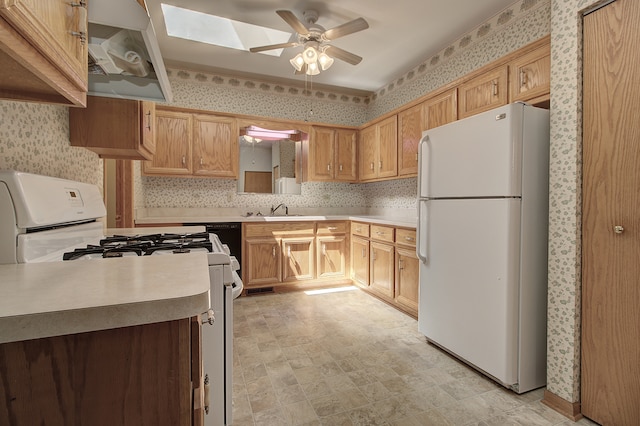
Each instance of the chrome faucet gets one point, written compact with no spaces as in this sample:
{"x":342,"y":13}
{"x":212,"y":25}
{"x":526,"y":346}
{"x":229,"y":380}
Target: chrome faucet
{"x":286,"y":209}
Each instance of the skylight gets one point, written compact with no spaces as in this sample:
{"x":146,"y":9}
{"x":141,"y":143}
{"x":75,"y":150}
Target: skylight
{"x":197,"y":26}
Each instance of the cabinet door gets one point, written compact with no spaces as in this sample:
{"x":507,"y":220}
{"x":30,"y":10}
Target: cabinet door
{"x":332,"y":256}
{"x":381,"y":275}
{"x":482,"y":93}
{"x":345,"y":155}
{"x":215,"y":146}
{"x":407,"y":282}
{"x":321,"y":154}
{"x":530,"y":75}
{"x":122,"y":129}
{"x":410,"y":127}
{"x":173,"y":144}
{"x":368,"y":152}
{"x":263,"y":261}
{"x":360,"y":261}
{"x":388,"y":149}
{"x":50,"y":26}
{"x":298,"y":259}
{"x":441,"y":109}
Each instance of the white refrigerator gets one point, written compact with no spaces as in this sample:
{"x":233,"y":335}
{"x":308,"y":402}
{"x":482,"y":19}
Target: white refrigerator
{"x":482,"y":242}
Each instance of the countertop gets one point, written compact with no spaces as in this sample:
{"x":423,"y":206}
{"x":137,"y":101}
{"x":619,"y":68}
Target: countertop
{"x":409,"y":222}
{"x":57,"y":298}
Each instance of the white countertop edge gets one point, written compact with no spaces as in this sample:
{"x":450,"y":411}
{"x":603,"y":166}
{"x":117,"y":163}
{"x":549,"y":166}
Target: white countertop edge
{"x":49,"y":324}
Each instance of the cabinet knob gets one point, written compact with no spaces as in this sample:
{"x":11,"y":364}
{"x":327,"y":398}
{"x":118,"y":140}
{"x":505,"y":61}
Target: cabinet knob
{"x":273,"y":251}
{"x":148,"y":120}
{"x":184,"y":160}
{"x":372,"y":166}
{"x":495,"y":87}
{"x":201,"y":161}
{"x":523,"y":77}
{"x":618,"y":229}
{"x":328,"y":167}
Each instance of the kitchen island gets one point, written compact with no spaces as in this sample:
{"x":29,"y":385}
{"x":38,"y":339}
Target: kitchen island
{"x":106,"y":341}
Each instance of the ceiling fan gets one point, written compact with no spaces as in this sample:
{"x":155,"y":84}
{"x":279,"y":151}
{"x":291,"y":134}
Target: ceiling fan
{"x":315,"y":39}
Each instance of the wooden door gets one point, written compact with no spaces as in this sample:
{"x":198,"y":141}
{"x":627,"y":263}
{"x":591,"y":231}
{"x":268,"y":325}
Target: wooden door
{"x":410,"y":128}
{"x":332,"y":256}
{"x":381,"y":275}
{"x":441,"y":109}
{"x":360,"y":261}
{"x":321,"y":145}
{"x":611,"y":223}
{"x":407,"y":282}
{"x":345,"y":155}
{"x":298,"y":259}
{"x":482,"y":93}
{"x":530,"y":75}
{"x":388,"y":147}
{"x":262,"y":260}
{"x":215,"y":146}
{"x":368,"y":152}
{"x":173,"y":144}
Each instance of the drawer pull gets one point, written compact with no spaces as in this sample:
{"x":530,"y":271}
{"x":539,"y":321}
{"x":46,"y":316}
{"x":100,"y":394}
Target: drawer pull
{"x":332,"y":228}
{"x":81,"y":7}
{"x":409,"y":239}
{"x":273,"y":251}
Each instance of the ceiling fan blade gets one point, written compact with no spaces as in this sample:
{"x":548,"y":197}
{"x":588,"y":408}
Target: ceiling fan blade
{"x":343,"y":55}
{"x":273,"y":46}
{"x":293,"y":22}
{"x":345,"y":29}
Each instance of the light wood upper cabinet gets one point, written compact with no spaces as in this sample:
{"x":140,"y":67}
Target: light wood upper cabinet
{"x":173,"y":144}
{"x":530,"y":75}
{"x":190,"y":144}
{"x":379,"y":150}
{"x":484,"y":92}
{"x":122,"y":129}
{"x":441,"y":109}
{"x":215,"y":146}
{"x":332,"y":154}
{"x":410,"y":127}
{"x":43,"y":55}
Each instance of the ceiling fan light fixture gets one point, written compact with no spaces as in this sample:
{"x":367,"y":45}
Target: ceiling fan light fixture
{"x":312,"y":69}
{"x":310,"y":55}
{"x":297,"y":62}
{"x":325,"y":61}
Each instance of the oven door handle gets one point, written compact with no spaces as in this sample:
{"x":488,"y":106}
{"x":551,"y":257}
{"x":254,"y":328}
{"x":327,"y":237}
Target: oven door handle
{"x":210,"y":317}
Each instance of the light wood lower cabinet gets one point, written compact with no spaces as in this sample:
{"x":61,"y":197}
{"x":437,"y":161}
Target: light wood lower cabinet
{"x":299,"y":259}
{"x":294,"y":253}
{"x":143,"y":375}
{"x":384,"y":263}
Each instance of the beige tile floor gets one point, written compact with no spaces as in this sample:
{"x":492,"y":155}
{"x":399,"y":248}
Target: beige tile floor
{"x":347,"y":358}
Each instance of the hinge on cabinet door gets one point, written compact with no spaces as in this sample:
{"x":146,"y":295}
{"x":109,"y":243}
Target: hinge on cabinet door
{"x":210,"y":317}
{"x":81,"y":6}
{"x":206,"y":394}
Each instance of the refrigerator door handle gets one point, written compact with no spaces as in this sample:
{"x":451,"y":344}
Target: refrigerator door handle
{"x":422,"y":163}
{"x":422,"y":231}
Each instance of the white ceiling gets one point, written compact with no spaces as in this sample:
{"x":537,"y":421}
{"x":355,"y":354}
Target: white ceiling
{"x":401,"y":35}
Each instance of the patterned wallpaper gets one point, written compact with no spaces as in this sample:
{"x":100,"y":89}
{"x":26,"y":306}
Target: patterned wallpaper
{"x":34,"y":138}
{"x":565,"y":175}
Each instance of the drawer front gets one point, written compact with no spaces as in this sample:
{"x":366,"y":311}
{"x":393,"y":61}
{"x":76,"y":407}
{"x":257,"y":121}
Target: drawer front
{"x":278,"y":229}
{"x":359,"y":228}
{"x":406,"y":237}
{"x":382,"y":233}
{"x":329,"y":228}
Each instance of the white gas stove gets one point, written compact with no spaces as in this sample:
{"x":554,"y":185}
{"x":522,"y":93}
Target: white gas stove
{"x":45,"y":219}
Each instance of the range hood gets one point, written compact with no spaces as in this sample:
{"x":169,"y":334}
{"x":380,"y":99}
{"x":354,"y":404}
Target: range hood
{"x":124,"y":56}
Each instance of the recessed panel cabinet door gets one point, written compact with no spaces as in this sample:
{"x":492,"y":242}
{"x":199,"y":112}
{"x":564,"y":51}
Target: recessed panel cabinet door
{"x":298,"y":258}
{"x":332,"y":251}
{"x":173,"y":144}
{"x":263,"y":261}
{"x":610,"y":335}
{"x":215,"y":146}
{"x":381,"y":275}
{"x":345,"y":154}
{"x":360,"y":261}
{"x":321,"y":154}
